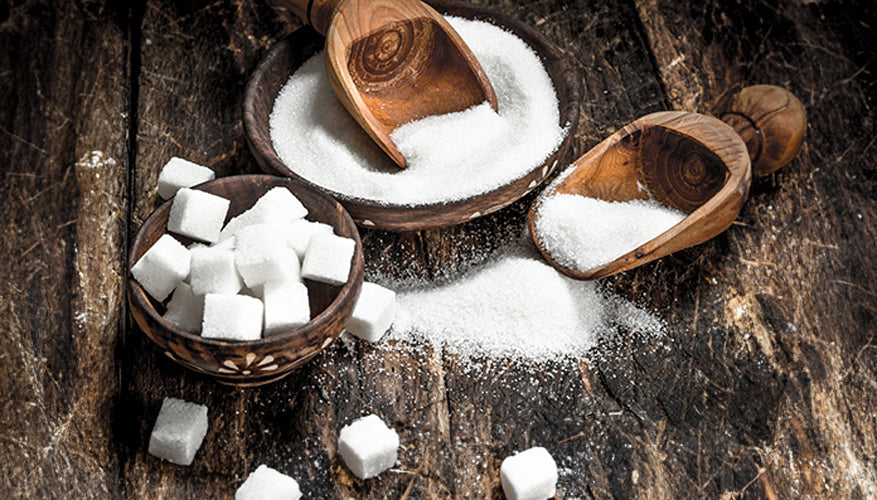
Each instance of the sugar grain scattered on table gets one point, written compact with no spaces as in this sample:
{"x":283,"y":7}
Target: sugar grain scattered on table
{"x":515,"y":306}
{"x":582,"y":233}
{"x":316,"y":137}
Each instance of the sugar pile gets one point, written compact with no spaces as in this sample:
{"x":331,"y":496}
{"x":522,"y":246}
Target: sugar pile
{"x":515,"y":306}
{"x":315,"y":136}
{"x":582,"y":233}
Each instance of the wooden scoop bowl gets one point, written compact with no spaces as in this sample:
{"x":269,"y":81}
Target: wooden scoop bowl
{"x":694,"y":163}
{"x":391,"y":62}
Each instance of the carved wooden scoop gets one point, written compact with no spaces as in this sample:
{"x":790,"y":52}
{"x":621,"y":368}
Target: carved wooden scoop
{"x":694,"y":163}
{"x":394,"y":61}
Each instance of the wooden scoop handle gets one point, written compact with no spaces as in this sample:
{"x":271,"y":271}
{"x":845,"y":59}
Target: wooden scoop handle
{"x":772,"y":123}
{"x":317,"y":13}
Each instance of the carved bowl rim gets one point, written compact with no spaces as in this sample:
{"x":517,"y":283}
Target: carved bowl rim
{"x":274,"y":70}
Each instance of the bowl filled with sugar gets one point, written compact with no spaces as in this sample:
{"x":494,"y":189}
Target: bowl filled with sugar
{"x":245,"y":278}
{"x":459,"y":166}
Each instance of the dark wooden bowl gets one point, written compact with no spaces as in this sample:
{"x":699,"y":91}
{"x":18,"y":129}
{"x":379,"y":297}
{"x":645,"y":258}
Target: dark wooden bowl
{"x":288,"y":55}
{"x":254,"y":362}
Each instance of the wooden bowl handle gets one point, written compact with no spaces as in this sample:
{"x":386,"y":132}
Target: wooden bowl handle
{"x":317,"y":13}
{"x":772,"y":123}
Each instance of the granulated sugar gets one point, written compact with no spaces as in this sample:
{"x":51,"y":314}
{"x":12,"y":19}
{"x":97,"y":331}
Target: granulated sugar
{"x":515,"y":306}
{"x":582,"y":233}
{"x":316,"y":137}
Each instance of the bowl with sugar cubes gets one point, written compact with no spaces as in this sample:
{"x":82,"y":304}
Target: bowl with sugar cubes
{"x":458,"y":166}
{"x":245,"y":278}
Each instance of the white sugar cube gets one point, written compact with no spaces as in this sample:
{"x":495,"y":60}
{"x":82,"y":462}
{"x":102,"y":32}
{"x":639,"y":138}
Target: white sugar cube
{"x":161,"y":268}
{"x":529,"y":475}
{"x":226,"y":244}
{"x":232,"y":317}
{"x":367,"y":446}
{"x":328,"y":258}
{"x":265,"y":483}
{"x":286,"y":306}
{"x":278,"y":206}
{"x":197,"y":214}
{"x":178,"y":173}
{"x":300,"y":232}
{"x":214,"y":271}
{"x":260,"y":256}
{"x":178,"y":431}
{"x":185,"y":309}
{"x":373,"y":313}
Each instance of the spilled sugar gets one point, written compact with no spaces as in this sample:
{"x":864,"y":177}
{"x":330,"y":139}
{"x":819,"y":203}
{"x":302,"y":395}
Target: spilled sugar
{"x":315,"y":136}
{"x":514,"y":306}
{"x":582,"y":233}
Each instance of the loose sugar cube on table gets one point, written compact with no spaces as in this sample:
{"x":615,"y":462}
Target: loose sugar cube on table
{"x":178,"y":173}
{"x":161,"y":268}
{"x":260,"y":256}
{"x":373,"y":313}
{"x":232,"y":317}
{"x":197,"y":214}
{"x":286,"y":306}
{"x":214,"y":271}
{"x":185,"y":309}
{"x":278,"y":207}
{"x":178,"y":431}
{"x":300,"y":232}
{"x":367,"y":446}
{"x":328,"y":258}
{"x":529,"y":475}
{"x":265,"y":483}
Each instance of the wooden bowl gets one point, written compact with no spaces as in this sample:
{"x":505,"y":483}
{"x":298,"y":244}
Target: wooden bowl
{"x":255,"y":362}
{"x":288,"y":55}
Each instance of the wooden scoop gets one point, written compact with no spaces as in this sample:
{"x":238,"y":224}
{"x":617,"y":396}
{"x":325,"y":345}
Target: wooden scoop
{"x":394,"y":61}
{"x":687,"y":161}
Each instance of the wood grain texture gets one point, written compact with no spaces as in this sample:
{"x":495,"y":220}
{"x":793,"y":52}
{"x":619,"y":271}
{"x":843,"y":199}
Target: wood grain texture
{"x":64,"y":162}
{"x":763,"y":387}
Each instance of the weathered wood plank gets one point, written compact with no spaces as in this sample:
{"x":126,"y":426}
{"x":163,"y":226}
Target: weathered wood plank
{"x":764,"y":386}
{"x":774,"y":343}
{"x":64,"y":156}
{"x":194,"y":59}
{"x":502,"y":409}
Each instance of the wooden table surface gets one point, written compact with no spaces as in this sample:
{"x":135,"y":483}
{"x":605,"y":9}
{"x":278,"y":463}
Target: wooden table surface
{"x":764,"y":387}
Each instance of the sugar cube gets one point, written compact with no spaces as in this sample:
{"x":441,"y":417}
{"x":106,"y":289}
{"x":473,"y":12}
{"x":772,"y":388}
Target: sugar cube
{"x":179,"y":173}
{"x":226,"y":244}
{"x":265,"y":483}
{"x":278,"y":206}
{"x":373,"y":313}
{"x":300,"y":232}
{"x":161,"y":268}
{"x":529,"y":475}
{"x":328,"y":258}
{"x":197,"y":214}
{"x":214,"y":271}
{"x":286,"y":306}
{"x":178,"y":431}
{"x":260,"y":256}
{"x":185,"y":309}
{"x":367,"y":446}
{"x":232,"y":317}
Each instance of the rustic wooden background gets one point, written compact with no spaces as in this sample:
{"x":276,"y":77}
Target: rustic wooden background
{"x":765,"y":387}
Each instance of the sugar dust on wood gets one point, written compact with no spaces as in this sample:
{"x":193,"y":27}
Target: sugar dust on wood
{"x":515,"y":306}
{"x":315,"y":136}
